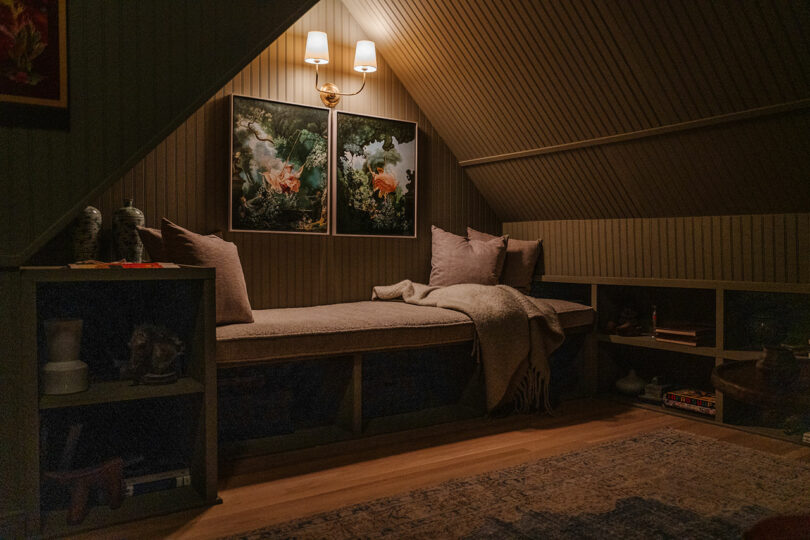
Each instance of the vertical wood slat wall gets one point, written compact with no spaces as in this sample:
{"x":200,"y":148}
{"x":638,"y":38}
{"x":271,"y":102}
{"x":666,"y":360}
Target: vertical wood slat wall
{"x":186,"y":178}
{"x":135,"y":70}
{"x":759,"y":247}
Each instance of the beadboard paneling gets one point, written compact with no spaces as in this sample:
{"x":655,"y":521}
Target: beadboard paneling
{"x":185,"y":178}
{"x":135,"y":71}
{"x":503,"y":77}
{"x":762,"y":247}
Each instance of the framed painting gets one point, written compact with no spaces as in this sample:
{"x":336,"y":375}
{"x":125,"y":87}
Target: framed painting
{"x":279,"y":167}
{"x":33,"y":53}
{"x":375,"y":176}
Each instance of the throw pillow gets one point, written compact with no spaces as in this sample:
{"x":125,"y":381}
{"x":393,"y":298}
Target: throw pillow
{"x":185,"y":247}
{"x":455,"y":259}
{"x":152,"y":240}
{"x":521,"y":258}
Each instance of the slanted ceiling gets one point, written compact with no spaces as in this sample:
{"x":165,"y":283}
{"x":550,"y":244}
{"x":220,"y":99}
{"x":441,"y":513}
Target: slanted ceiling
{"x":711,"y":98}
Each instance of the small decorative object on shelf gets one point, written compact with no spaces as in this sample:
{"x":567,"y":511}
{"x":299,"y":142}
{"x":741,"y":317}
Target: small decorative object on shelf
{"x":128,"y":244}
{"x":153,"y":355}
{"x":653,"y":391}
{"x":765,"y":330}
{"x":85,"y":234}
{"x":64,"y":373}
{"x":778,"y":366}
{"x":628,"y":324}
{"x":631,"y":385}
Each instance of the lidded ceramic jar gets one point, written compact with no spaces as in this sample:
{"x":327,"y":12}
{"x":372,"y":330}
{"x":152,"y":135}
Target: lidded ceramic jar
{"x":85,"y":234}
{"x":125,"y":235}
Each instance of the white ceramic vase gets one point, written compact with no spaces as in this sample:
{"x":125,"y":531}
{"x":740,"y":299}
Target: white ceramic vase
{"x":64,"y":373}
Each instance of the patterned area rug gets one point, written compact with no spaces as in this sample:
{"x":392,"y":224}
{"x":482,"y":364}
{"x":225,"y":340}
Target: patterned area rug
{"x":664,"y":484}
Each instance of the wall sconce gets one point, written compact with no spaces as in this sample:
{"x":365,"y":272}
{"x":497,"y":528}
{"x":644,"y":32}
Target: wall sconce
{"x":365,"y":61}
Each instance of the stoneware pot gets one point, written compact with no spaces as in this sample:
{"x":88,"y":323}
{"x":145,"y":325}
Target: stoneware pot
{"x":85,"y":234}
{"x":64,"y":373}
{"x":125,"y":235}
{"x":631,"y":385}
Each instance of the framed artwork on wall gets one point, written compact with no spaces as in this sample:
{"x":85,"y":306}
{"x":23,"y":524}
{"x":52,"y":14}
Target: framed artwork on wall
{"x":33,"y":63}
{"x":33,"y":52}
{"x":279,"y":167}
{"x":375,"y":176}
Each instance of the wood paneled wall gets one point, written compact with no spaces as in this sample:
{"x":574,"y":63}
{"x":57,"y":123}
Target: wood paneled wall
{"x":764,"y":247}
{"x":503,"y":77}
{"x":185,"y":178}
{"x":136,"y":69}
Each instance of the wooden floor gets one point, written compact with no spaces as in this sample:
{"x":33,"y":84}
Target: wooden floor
{"x":261,"y":491}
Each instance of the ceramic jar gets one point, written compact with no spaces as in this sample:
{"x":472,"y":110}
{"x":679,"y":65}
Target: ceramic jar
{"x":64,"y":373}
{"x":125,"y":235}
{"x":631,"y":385}
{"x":85,"y":234}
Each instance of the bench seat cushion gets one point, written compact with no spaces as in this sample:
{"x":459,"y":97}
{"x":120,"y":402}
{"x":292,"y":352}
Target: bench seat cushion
{"x":353,"y":327}
{"x":340,"y":329}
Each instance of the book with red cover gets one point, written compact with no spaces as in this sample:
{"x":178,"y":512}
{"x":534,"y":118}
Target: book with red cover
{"x":692,"y":397}
{"x":710,"y":411}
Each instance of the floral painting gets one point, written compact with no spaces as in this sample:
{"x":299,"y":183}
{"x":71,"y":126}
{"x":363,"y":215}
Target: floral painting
{"x":33,"y":52}
{"x":375,"y":187}
{"x":279,"y":167}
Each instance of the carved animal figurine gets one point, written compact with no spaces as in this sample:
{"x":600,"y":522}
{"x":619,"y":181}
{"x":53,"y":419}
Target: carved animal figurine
{"x":153,"y":355}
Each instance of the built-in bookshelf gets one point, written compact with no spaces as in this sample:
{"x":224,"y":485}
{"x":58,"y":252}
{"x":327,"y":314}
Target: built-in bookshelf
{"x":733,"y":309}
{"x":149,"y":428}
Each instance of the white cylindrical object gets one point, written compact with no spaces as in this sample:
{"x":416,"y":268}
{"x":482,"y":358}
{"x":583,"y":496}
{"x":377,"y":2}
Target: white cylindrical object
{"x":64,"y":373}
{"x":317,"y":48}
{"x":365,"y":57}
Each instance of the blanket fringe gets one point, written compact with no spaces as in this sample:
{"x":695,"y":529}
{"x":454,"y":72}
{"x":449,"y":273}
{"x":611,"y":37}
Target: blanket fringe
{"x":531,"y":390}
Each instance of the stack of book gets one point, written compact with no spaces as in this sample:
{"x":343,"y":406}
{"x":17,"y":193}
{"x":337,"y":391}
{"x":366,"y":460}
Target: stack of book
{"x":806,"y":437}
{"x":692,"y":400}
{"x":148,"y":483}
{"x":692,"y":335}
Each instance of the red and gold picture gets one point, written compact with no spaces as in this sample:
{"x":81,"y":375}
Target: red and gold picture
{"x":33,"y":52}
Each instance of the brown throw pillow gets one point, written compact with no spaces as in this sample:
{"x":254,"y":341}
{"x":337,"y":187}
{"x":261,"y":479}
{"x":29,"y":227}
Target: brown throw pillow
{"x":152,"y":240}
{"x":185,"y":247}
{"x":521,"y":258}
{"x":455,"y":259}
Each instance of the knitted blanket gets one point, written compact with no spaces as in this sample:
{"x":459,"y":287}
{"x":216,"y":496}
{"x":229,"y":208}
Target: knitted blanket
{"x":515,"y":335}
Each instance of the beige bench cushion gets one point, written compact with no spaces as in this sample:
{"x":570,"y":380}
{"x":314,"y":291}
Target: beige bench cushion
{"x":337,"y":329}
{"x":340,"y":329}
{"x":571,"y":314}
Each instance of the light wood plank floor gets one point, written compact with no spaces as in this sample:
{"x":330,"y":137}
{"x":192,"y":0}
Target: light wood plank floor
{"x":261,"y":491}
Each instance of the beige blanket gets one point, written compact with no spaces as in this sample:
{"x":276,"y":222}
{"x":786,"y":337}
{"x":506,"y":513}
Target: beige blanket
{"x":515,"y":336}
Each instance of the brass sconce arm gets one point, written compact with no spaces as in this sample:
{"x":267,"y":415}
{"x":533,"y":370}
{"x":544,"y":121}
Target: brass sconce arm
{"x":330,"y":94}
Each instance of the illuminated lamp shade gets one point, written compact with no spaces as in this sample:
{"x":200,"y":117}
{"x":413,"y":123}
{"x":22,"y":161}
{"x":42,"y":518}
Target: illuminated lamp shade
{"x":365,"y":57}
{"x":317,"y":48}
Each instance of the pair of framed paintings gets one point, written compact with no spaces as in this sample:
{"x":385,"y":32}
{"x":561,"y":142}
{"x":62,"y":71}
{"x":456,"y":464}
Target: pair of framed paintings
{"x":295,"y":170}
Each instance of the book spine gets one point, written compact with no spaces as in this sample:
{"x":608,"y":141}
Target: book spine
{"x":163,"y":484}
{"x":690,"y":400}
{"x":711,"y":411}
{"x":677,"y":341}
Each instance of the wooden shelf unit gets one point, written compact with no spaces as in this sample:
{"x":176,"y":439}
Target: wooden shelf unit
{"x":22,"y":288}
{"x":719,"y":351}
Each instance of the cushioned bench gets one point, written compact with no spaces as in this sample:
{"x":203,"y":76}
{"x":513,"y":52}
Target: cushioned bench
{"x":356,"y":327}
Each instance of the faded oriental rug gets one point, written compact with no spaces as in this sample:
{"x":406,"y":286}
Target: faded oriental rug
{"x":664,"y":484}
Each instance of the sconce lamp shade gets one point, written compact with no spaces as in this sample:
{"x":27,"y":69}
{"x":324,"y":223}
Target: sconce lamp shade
{"x":317,"y":48}
{"x":365,"y":57}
